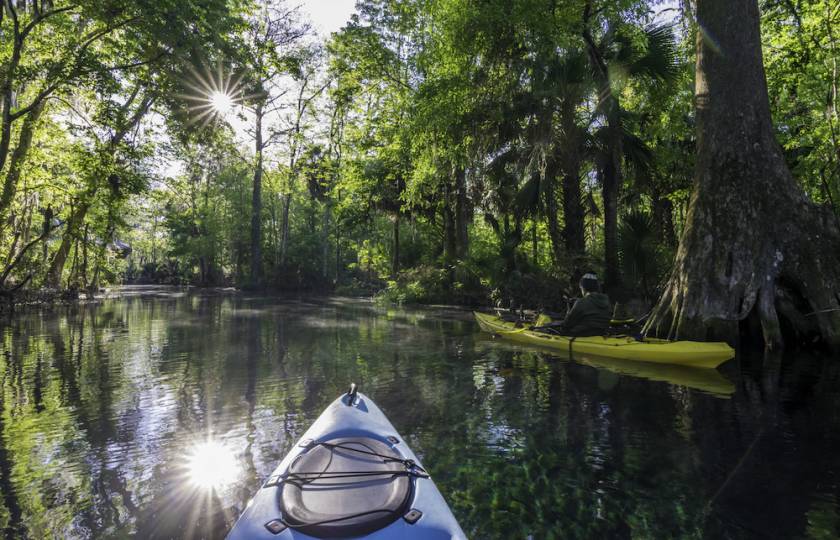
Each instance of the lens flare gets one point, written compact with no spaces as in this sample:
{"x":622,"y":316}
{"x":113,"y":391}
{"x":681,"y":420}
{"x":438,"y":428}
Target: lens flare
{"x":211,"y":465}
{"x":212,"y":94}
{"x":221,"y":102}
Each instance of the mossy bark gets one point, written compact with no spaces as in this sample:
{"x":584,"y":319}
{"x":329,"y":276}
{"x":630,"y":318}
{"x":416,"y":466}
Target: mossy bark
{"x":752,"y":240}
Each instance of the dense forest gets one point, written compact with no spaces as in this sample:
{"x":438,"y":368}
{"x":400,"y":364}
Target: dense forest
{"x":458,"y":151}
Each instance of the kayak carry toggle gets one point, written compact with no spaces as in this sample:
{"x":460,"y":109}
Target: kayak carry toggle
{"x":351,"y":394}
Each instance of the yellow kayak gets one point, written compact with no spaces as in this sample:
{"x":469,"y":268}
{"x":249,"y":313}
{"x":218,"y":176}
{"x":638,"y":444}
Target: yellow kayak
{"x":660,"y":351}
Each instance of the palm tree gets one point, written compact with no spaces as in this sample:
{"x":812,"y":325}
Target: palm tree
{"x":615,"y":60}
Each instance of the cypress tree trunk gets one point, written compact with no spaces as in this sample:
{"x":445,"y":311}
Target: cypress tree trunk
{"x":611,"y":174}
{"x":85,"y":243}
{"x":663,"y":218}
{"x":462,"y":214}
{"x":573,"y":228}
{"x":7,"y":96}
{"x":611,"y":181}
{"x":256,"y":206}
{"x":449,"y":236}
{"x":284,"y":235}
{"x":752,"y":241}
{"x":77,"y":217}
{"x":325,"y":240}
{"x":535,"y":245}
{"x":46,"y":226}
{"x":338,"y":241}
{"x":395,"y":262}
{"x":18,"y":159}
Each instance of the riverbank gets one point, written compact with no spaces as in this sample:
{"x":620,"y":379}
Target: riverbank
{"x":55,"y":297}
{"x":9,"y":302}
{"x":394,"y":295}
{"x":49,"y":298}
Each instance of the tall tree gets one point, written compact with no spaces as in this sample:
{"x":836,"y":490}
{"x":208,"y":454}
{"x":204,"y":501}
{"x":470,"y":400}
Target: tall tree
{"x":307,"y":68}
{"x":64,"y":53}
{"x":25,"y":29}
{"x":571,"y":142}
{"x":270,"y":39}
{"x":752,"y":243}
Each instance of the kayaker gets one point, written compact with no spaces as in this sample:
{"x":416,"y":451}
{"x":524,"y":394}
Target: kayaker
{"x":590,"y":316}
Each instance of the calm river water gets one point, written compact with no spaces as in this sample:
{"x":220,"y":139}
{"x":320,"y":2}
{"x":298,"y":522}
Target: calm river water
{"x":158,"y":414}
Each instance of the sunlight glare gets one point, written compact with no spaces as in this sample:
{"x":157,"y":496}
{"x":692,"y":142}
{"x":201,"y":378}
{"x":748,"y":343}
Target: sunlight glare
{"x":213,"y":94}
{"x":212,"y":465}
{"x":221,"y":102}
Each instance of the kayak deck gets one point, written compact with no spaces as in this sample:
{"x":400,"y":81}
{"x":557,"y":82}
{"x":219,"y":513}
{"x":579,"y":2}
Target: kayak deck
{"x":349,"y":418}
{"x":685,"y":353}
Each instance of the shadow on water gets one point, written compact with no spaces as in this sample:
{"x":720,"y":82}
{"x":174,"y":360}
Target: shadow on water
{"x":157,"y":414}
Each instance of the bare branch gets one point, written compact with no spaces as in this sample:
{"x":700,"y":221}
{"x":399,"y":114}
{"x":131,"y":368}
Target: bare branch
{"x":137,"y":64}
{"x":274,"y":135}
{"x":73,"y":108}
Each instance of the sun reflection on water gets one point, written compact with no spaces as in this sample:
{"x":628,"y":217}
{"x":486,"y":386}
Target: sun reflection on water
{"x":212,"y":465}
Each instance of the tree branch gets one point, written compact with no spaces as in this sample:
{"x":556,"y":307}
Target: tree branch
{"x":40,"y":17}
{"x":86,"y":43}
{"x":20,"y":255}
{"x":134,"y":120}
{"x":138,"y":63}
{"x":15,"y":22}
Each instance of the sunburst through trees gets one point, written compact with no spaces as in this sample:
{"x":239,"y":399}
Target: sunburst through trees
{"x":213,"y":96}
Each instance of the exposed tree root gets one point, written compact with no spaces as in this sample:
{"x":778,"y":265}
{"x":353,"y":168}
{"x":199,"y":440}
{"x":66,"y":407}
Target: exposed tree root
{"x":783,"y":270}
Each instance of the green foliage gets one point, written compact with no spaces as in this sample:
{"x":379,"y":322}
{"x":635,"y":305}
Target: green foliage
{"x":644,"y":260}
{"x":801,"y":46}
{"x":421,"y":284}
{"x":431,"y":154}
{"x":76,"y":81}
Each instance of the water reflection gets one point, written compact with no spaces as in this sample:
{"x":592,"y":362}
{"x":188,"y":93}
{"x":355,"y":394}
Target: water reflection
{"x":158,"y":415}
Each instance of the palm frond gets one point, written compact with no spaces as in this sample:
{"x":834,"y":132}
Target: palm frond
{"x":573,"y":69}
{"x":637,"y":153}
{"x":660,"y":61}
{"x":642,"y":259}
{"x":527,"y":201}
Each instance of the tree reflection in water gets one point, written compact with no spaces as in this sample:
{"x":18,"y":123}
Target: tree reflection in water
{"x":105,"y":408}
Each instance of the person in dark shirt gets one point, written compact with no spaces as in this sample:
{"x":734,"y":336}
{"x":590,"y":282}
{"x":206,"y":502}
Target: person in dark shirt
{"x":590,"y":316}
